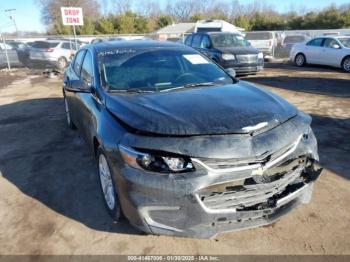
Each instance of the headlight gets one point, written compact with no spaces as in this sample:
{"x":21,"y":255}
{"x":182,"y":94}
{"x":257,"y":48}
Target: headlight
{"x":155,"y":162}
{"x":306,"y":133}
{"x":228,"y":57}
{"x":260,"y":55}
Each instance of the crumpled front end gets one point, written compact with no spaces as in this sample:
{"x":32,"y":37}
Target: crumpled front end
{"x":223,"y":194}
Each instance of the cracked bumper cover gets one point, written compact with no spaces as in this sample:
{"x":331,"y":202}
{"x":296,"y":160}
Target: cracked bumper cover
{"x":208,"y":201}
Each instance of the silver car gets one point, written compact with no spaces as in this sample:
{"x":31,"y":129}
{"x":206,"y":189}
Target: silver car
{"x":53,"y":52}
{"x":331,"y":51}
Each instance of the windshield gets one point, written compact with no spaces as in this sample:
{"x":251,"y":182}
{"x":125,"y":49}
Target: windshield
{"x":43,"y":44}
{"x":294,"y":39}
{"x":228,"y":40}
{"x":258,"y":36}
{"x":345,"y":41}
{"x":157,"y":69}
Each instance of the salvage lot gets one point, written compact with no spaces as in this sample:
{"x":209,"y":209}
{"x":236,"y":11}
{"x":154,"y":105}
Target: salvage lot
{"x":50,"y":201}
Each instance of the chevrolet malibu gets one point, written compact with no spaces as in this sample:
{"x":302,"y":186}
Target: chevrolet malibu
{"x":182,"y":147}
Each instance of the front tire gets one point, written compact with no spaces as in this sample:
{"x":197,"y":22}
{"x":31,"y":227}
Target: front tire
{"x":108,"y":188}
{"x":300,"y":60}
{"x":346,"y":64}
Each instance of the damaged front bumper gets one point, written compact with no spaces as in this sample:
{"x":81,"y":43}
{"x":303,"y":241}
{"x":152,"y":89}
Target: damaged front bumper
{"x":221,"y":195}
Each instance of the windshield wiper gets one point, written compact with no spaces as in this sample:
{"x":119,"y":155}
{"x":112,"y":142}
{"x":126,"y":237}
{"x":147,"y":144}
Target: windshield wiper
{"x":200,"y":84}
{"x":191,"y":85}
{"x":131,"y":90}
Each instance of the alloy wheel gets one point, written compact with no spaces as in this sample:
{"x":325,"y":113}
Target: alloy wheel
{"x":300,"y":60}
{"x":106,"y":182}
{"x":346,"y":64}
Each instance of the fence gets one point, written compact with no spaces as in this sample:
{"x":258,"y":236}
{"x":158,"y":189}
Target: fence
{"x":13,"y":56}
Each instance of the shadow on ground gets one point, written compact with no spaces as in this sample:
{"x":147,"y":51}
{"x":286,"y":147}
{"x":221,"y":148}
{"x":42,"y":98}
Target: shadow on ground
{"x":51,"y":163}
{"x":307,"y":68}
{"x":314,"y":85}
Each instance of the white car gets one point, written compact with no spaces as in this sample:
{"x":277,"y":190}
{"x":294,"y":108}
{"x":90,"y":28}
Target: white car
{"x":55,"y":52}
{"x":331,"y":51}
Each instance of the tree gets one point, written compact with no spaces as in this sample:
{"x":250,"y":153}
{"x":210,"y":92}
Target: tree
{"x":88,"y":28}
{"x":329,"y":18}
{"x":242,"y":21}
{"x":196,"y":17}
{"x":51,"y":13}
{"x":163,"y":21}
{"x":105,"y":26}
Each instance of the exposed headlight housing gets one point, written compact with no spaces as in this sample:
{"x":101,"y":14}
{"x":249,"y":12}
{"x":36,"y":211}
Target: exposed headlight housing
{"x":306,"y":133}
{"x":228,"y":57}
{"x":260,"y":55}
{"x":154,"y":162}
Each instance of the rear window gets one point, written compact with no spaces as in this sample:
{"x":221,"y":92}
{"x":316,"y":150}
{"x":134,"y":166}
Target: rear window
{"x":294,"y":39}
{"x":43,"y":44}
{"x":258,"y":36}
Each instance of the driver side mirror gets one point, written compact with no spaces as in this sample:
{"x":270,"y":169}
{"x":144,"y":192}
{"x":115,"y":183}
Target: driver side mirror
{"x":231,"y":72}
{"x":336,"y":46}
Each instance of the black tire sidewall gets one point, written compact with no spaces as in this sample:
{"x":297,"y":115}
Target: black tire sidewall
{"x":71,"y":125}
{"x":116,"y":212}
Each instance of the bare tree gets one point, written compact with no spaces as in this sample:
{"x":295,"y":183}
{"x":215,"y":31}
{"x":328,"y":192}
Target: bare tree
{"x":123,"y":6}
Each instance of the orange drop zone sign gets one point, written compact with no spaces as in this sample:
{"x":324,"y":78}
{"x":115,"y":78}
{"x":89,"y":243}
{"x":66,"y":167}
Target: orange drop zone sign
{"x":72,"y":16}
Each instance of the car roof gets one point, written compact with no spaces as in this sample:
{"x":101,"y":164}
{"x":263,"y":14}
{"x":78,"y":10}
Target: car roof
{"x":107,"y":45}
{"x":217,"y":33}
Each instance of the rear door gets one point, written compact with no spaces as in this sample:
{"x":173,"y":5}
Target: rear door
{"x":313,"y":50}
{"x":331,"y":52}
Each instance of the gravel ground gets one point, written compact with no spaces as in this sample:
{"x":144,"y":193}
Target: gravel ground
{"x":50,"y":201}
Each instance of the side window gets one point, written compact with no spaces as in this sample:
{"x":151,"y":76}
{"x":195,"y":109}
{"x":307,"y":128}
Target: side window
{"x":196,"y":42}
{"x":188,"y":40}
{"x":66,"y":46}
{"x":330,"y":42}
{"x":87,"y":69}
{"x":315,"y":42}
{"x":78,"y":61}
{"x":205,"y":42}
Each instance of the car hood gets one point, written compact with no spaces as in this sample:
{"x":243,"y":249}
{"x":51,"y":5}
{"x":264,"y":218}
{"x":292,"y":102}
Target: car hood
{"x":244,"y":50}
{"x":235,"y":108}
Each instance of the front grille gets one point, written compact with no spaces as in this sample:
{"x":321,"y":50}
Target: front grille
{"x":234,"y":162}
{"x":247,"y":58}
{"x":256,"y":192}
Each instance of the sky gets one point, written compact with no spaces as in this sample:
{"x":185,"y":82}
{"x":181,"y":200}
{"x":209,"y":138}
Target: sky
{"x":27,"y":12}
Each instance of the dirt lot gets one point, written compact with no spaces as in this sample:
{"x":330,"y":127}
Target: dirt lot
{"x":50,"y":201}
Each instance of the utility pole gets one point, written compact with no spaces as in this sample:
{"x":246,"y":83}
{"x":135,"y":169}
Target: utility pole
{"x":12,"y":17}
{"x":5,"y":48}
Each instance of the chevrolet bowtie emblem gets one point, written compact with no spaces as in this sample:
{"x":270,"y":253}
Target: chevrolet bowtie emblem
{"x":256,"y":127}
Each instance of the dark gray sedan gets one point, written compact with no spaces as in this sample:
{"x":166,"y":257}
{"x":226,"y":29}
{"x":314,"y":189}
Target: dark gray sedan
{"x":182,"y":147}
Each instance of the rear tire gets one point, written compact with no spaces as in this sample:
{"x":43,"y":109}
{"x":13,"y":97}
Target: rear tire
{"x":300,"y":60}
{"x":62,"y":63}
{"x":346,"y":64}
{"x":108,"y":186}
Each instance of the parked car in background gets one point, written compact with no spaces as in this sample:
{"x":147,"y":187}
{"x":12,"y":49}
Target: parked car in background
{"x":264,"y":41}
{"x":52,"y":52}
{"x":12,"y":56}
{"x":287,"y":43}
{"x":22,"y":50}
{"x":331,"y":51}
{"x":183,"y":148}
{"x":229,"y":50}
